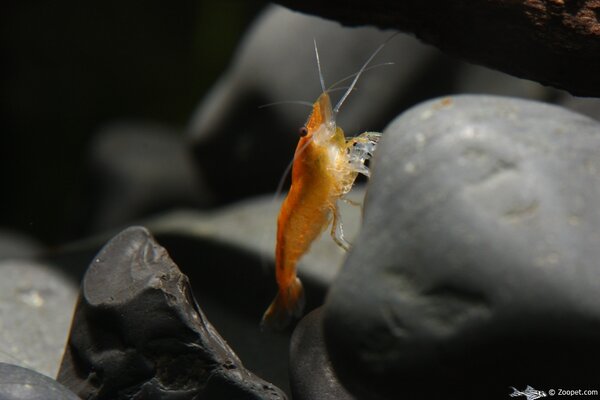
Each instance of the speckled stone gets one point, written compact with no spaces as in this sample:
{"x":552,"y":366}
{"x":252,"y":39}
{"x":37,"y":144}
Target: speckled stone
{"x":18,"y":383}
{"x":36,"y":306}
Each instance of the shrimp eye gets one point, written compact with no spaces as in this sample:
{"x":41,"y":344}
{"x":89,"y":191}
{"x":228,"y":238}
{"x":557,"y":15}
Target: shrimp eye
{"x":303,"y":131}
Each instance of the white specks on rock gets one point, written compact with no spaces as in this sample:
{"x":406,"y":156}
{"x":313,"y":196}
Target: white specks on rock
{"x":32,"y":297}
{"x":410,"y":168}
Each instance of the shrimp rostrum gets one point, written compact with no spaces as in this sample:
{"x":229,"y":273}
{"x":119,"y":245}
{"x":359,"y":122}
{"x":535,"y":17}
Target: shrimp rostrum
{"x":325,"y":166}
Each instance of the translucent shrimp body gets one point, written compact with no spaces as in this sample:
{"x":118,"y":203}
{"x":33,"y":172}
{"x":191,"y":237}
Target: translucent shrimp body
{"x":324,"y":169}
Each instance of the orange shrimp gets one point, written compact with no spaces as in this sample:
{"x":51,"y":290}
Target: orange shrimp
{"x":324,"y":169}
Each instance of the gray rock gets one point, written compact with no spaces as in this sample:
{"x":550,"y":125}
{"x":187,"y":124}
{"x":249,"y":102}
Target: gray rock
{"x":18,"y":383}
{"x":138,"y":333}
{"x":16,"y":245}
{"x":36,"y":305}
{"x":476,"y":267}
{"x":139,"y":169}
{"x":311,"y":373}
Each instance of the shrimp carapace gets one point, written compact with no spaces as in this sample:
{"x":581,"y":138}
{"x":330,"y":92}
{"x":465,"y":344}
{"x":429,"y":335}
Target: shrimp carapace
{"x":323,"y":171}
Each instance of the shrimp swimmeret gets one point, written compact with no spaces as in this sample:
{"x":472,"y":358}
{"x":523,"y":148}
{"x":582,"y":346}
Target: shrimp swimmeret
{"x":325,"y":166}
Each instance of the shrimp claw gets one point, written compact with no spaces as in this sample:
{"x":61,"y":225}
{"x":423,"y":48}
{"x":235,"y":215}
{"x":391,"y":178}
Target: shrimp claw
{"x":361,"y":149}
{"x":288,"y":303}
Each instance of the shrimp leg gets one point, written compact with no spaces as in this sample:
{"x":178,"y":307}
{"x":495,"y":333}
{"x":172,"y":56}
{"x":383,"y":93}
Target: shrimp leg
{"x":337,"y":229}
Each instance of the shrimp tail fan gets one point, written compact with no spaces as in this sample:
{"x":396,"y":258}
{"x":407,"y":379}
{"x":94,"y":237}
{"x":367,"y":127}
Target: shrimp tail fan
{"x":288,"y":304}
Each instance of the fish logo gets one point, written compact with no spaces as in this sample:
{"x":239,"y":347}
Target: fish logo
{"x":529,"y":393}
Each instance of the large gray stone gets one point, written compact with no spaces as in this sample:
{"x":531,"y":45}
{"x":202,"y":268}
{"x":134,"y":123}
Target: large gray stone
{"x":476,"y":267}
{"x":36,"y":305}
{"x":138,"y":333}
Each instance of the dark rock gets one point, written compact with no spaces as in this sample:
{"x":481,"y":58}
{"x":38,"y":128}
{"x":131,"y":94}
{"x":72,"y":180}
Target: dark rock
{"x":244,"y":149}
{"x":553,"y":42}
{"x":141,"y":168}
{"x":311,"y":374}
{"x":476,"y":267}
{"x":138,"y":333}
{"x":17,"y":383}
{"x":36,"y":304}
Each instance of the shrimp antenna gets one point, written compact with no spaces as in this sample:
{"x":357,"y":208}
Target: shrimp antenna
{"x":319,"y":66}
{"x":276,"y":103}
{"x":307,"y":103}
{"x":333,"y":87}
{"x":358,"y":74}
